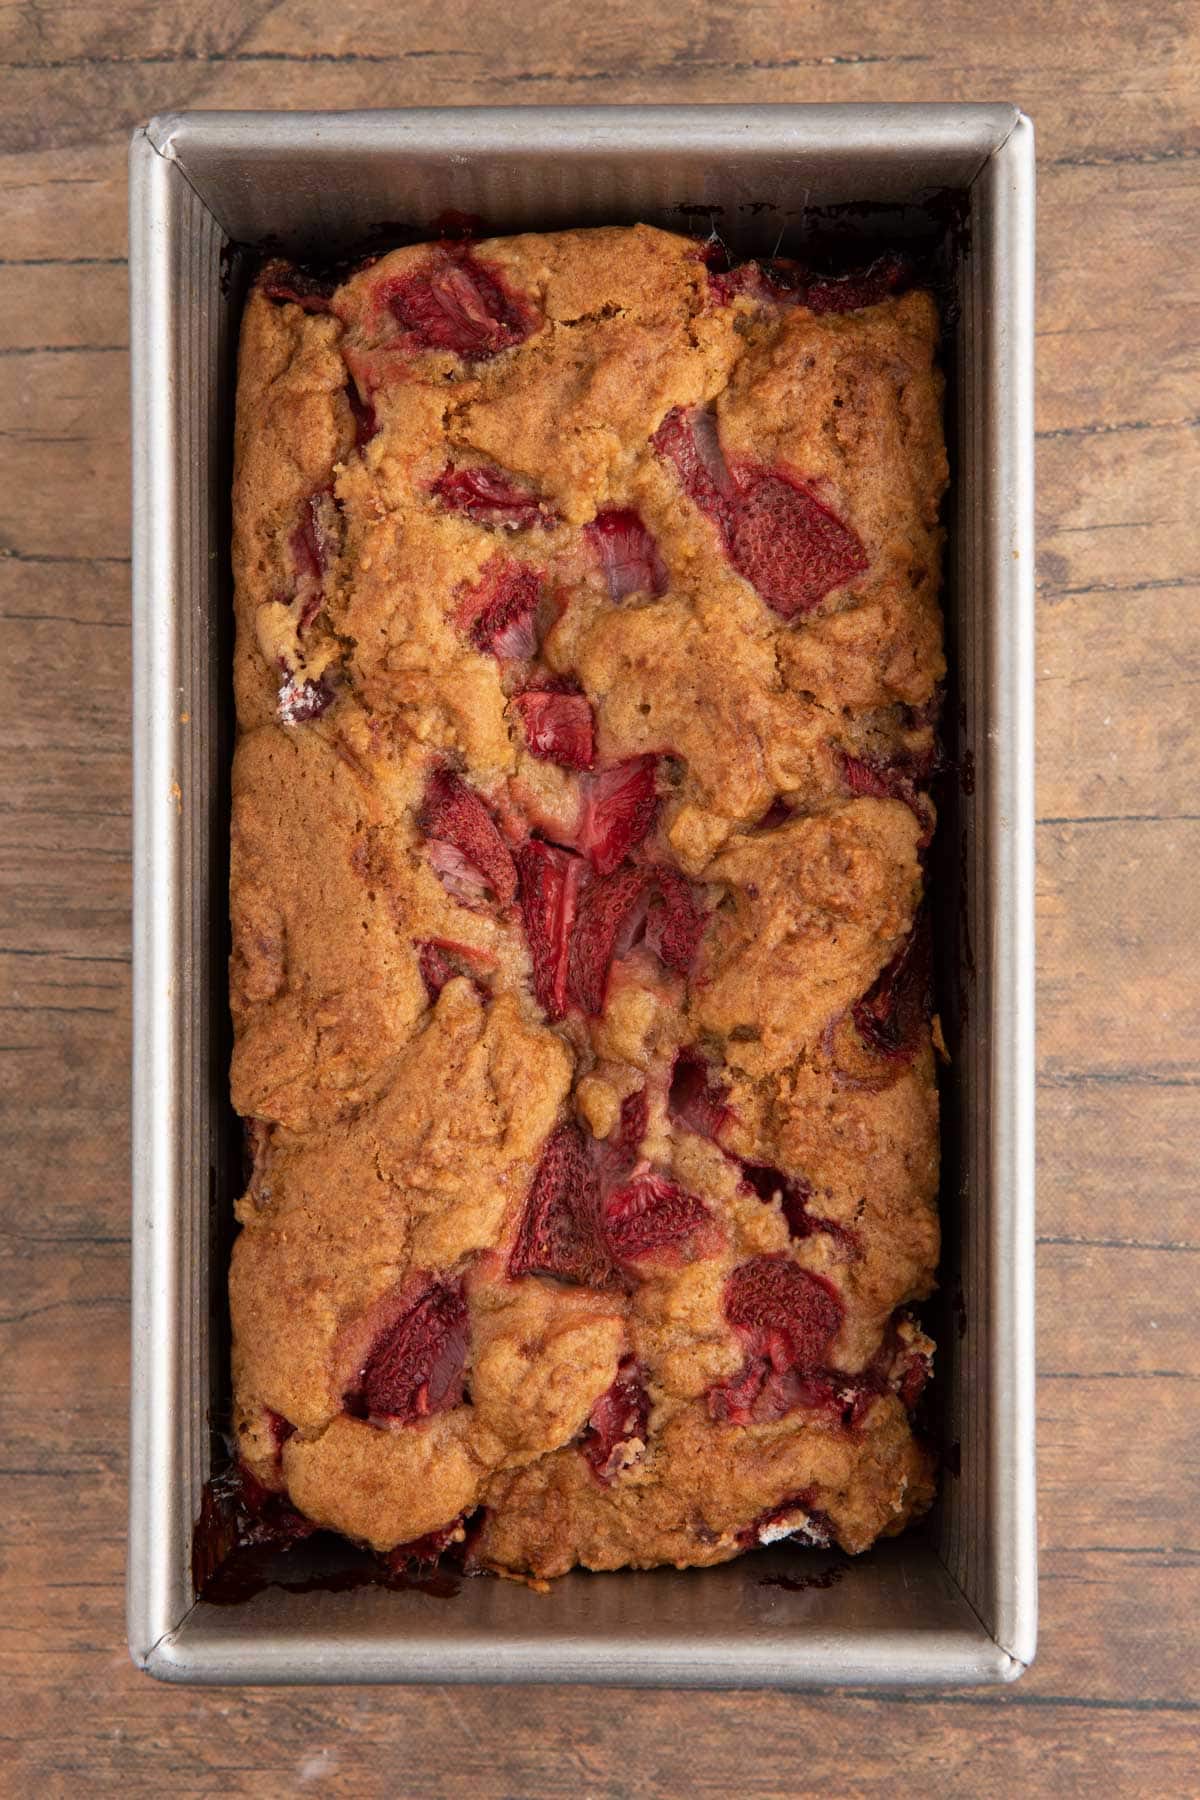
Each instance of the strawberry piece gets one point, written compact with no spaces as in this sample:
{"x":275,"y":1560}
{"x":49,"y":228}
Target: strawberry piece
{"x":416,"y":1366}
{"x":558,"y":726}
{"x":866,"y":287}
{"x":499,"y":612}
{"x":615,"y":1435}
{"x":560,"y":1233}
{"x":870,"y":776}
{"x":611,"y":914}
{"x":423,"y":1552}
{"x":784,"y":281}
{"x":283,"y":281}
{"x":366,"y":425}
{"x":789,"y":547}
{"x":550,"y":882}
{"x":452,"y":814}
{"x":732,"y":1402}
{"x":649,"y":1214}
{"x":490,"y":497}
{"x":788,"y":1313}
{"x":436,"y":968}
{"x":909,"y":1375}
{"x":786,"y":1317}
{"x":794,"y":1194}
{"x":689,"y":440}
{"x":792,"y":1191}
{"x":616,"y":1156}
{"x":455,"y":302}
{"x":441,"y":959}
{"x":725,"y":285}
{"x":778,"y":813}
{"x":627,"y":553}
{"x":695,"y":1099}
{"x":676,"y":922}
{"x":281,"y":1429}
{"x":460,"y":878}
{"x":878,"y":779}
{"x":619,"y":806}
{"x":313,"y":542}
{"x":302,"y":701}
{"x":892,"y":1014}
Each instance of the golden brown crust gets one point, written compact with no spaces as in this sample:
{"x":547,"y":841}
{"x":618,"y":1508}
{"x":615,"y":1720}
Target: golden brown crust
{"x":406,"y":1070}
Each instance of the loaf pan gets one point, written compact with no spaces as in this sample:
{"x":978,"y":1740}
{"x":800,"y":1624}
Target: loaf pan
{"x":952,"y":1602}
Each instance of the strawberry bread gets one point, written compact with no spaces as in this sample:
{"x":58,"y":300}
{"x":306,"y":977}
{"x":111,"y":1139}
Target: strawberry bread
{"x":587,"y":673}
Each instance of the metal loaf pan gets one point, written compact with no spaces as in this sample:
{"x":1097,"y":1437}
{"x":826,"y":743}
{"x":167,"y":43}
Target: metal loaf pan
{"x":955,"y":1601}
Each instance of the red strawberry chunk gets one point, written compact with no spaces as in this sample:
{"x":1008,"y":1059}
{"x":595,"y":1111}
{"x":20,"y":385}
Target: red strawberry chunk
{"x":892,"y":1014}
{"x":785,"y":281}
{"x":365,"y":422}
{"x":558,"y":726}
{"x":878,"y":779}
{"x":423,"y":1552}
{"x":696,"y":1099}
{"x":490,"y":497}
{"x":616,"y":1429}
{"x":416,"y":1366}
{"x":455,"y":302}
{"x":500,"y":612}
{"x":794,"y":1194}
{"x":281,"y":1429}
{"x":676,"y":922}
{"x":868,"y":777}
{"x":778,"y":813}
{"x":460,"y":878}
{"x":619,"y":807}
{"x":784,"y":1310}
{"x":440,"y":959}
{"x":436,"y":968}
{"x":732,"y":1402}
{"x":650,"y":1213}
{"x":627,"y":553}
{"x":909,"y":1375}
{"x":313,"y":542}
{"x":560,"y":1233}
{"x":453,"y":814}
{"x":616,"y":1156}
{"x":550,"y":882}
{"x":689,"y":440}
{"x":611,"y":914}
{"x":787,"y":1318}
{"x":867,"y":287}
{"x":725,"y":285}
{"x":788,"y":546}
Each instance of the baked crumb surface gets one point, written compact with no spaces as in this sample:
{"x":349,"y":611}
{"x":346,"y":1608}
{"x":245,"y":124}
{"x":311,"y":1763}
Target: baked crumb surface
{"x":587,"y":673}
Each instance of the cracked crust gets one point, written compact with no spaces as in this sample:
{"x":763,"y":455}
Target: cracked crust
{"x":400,"y":1078}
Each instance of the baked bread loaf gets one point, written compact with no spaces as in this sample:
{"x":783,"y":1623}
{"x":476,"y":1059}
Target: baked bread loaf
{"x":588,"y":664}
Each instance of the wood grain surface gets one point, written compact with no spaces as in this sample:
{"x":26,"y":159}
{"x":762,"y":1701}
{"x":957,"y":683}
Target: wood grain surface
{"x":1112,"y":1704}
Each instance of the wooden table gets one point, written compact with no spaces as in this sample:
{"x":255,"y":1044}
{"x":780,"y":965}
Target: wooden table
{"x":1111,"y":1705}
